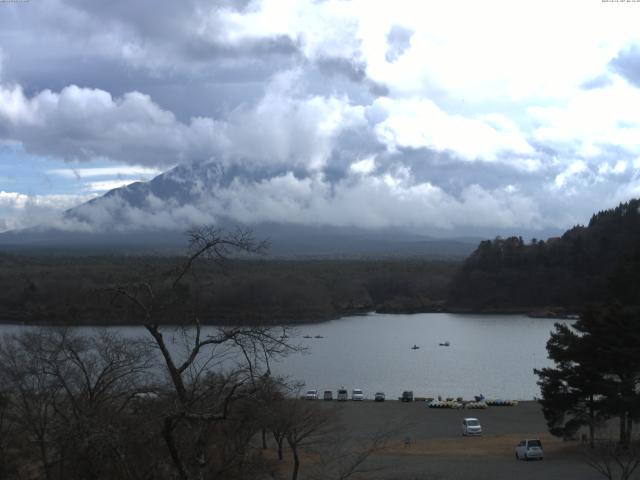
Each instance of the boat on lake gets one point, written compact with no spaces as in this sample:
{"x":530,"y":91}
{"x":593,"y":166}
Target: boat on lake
{"x":445,"y":344}
{"x":415,"y":347}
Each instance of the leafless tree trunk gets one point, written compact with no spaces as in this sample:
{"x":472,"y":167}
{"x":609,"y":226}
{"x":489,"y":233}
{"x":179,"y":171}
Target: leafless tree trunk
{"x":613,"y":460}
{"x":201,"y":400}
{"x":306,"y":426}
{"x":343,"y":455}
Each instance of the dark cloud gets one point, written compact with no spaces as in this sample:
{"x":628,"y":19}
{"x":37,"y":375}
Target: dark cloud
{"x":399,"y":39}
{"x":354,"y":70}
{"x":600,"y":81}
{"x":453,"y":176}
{"x":191,"y":31}
{"x":627,"y":64}
{"x":167,"y":49}
{"x":351,"y":146}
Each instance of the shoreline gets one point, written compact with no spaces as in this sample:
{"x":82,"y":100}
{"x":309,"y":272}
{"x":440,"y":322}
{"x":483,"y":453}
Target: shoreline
{"x":558,"y":313}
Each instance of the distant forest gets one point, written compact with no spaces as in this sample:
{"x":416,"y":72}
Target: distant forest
{"x":599,"y":263}
{"x":60,"y":289}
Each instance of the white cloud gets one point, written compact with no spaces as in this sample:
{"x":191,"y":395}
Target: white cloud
{"x":618,"y":168}
{"x":105,"y":185}
{"x":590,"y":119}
{"x":289,"y":129}
{"x":18,"y":210}
{"x":364,"y":166}
{"x":391,"y":201}
{"x":575,"y":168}
{"x":117,"y":171}
{"x":420,"y":123}
{"x":85,"y":124}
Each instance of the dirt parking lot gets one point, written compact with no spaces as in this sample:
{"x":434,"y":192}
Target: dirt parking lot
{"x":437,"y":449}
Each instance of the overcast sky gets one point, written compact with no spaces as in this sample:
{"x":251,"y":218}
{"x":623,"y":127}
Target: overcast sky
{"x":447,"y":117}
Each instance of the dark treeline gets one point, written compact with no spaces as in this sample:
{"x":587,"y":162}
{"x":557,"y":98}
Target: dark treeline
{"x":595,"y":264}
{"x":63,"y":289}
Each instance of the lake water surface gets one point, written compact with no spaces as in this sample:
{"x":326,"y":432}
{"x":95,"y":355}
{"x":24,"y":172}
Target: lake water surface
{"x":490,"y":354}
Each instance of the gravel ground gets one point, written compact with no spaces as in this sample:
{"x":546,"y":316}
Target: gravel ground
{"x":439,"y":451}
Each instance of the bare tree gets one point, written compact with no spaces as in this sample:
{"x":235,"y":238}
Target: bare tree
{"x":68,"y":393}
{"x":239,"y":356}
{"x":31,"y":396}
{"x":8,"y":434}
{"x":344,"y":456}
{"x":307,"y":426}
{"x":612,"y":460}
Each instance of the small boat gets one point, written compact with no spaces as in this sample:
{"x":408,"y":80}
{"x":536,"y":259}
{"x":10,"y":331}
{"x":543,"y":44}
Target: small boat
{"x":445,"y":344}
{"x":307,"y":336}
{"x":318,"y":336}
{"x":415,"y":347}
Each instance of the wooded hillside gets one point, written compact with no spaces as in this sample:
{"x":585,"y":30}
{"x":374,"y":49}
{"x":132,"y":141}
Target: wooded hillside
{"x":593,"y":264}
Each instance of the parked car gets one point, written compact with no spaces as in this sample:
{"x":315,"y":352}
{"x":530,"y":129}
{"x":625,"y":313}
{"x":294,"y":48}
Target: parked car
{"x":343,"y":395}
{"x":529,"y":449}
{"x":379,"y":397}
{"x":357,"y":395}
{"x":328,"y":395}
{"x":471,"y":426}
{"x":311,"y":395}
{"x":407,"y":396}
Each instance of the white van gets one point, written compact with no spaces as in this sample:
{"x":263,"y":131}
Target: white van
{"x":471,"y":426}
{"x":529,"y":449}
{"x":357,"y":395}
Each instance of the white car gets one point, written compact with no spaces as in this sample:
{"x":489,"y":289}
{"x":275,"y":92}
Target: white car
{"x":471,"y":426}
{"x":529,"y":450}
{"x":357,"y":395}
{"x":311,"y":395}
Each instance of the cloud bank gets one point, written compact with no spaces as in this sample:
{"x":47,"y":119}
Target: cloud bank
{"x":337,"y":113}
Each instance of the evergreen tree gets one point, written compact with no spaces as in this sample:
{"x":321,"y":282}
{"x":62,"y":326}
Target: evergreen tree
{"x":570,"y":391}
{"x":597,"y":372}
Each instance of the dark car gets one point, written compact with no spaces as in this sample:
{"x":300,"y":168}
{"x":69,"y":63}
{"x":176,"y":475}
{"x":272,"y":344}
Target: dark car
{"x":379,"y":397}
{"x":328,"y":395}
{"x":407,"y":396}
{"x":343,"y":395}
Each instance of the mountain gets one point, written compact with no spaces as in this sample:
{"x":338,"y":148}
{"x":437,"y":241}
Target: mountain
{"x":151,"y":217}
{"x":598,"y":263}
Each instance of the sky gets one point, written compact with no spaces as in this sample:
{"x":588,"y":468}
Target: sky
{"x":445,"y":118}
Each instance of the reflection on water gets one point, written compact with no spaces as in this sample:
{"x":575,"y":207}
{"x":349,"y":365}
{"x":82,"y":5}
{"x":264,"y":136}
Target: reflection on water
{"x":490,"y":354}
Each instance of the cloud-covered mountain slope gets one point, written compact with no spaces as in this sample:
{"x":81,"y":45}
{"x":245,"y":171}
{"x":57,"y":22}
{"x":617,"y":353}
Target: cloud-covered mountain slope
{"x":154,"y":215}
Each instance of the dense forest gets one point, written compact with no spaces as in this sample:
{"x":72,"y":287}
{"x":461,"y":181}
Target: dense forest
{"x":598,"y":263}
{"x":60,"y":289}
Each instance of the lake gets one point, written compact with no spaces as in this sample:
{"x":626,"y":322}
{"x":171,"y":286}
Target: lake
{"x":490,"y":354}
